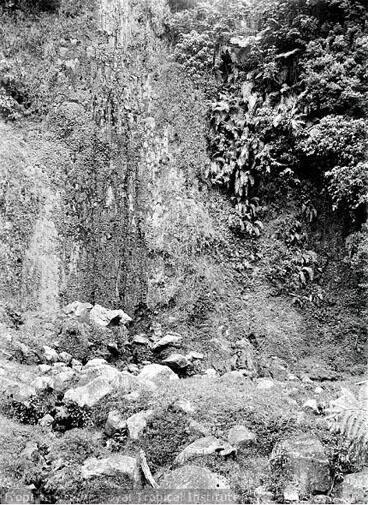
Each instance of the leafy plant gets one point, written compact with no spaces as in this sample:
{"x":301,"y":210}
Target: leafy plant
{"x":348,"y":415}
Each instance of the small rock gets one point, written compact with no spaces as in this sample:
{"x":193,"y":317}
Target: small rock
{"x":292,"y":377}
{"x":265,"y":384}
{"x":185,"y":406}
{"x":318,"y":391}
{"x":157,"y":374}
{"x":133,"y":396}
{"x":262,"y":495}
{"x":111,"y":466}
{"x":234,"y":374}
{"x":193,"y":355}
{"x":306,"y":380}
{"x":141,"y":339}
{"x":170,"y":339}
{"x":100,"y":316}
{"x":30,"y":452}
{"x":204,"y":447}
{"x":176,"y":362}
{"x":291,"y":494}
{"x":46,"y":421}
{"x":137,"y":423}
{"x":311,"y":405}
{"x":240,"y":436}
{"x":66,"y":357}
{"x":211,"y":372}
{"x":355,"y":487}
{"x":134,"y":369}
{"x":95,"y":362}
{"x":194,"y":477}
{"x":77,"y":365}
{"x":43,"y":384}
{"x":44,"y":368}
{"x":63,"y":379}
{"x":114,"y":423}
{"x":321,"y":498}
{"x":50,"y":354}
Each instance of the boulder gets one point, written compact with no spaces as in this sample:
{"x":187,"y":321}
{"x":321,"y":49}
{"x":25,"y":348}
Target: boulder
{"x":132,"y":368}
{"x":355,"y":487}
{"x":176,"y":362}
{"x":311,"y":405}
{"x":157,"y":374}
{"x":100,"y":316}
{"x":44,"y":368}
{"x":265,"y":384}
{"x":170,"y":339}
{"x":262,"y":495}
{"x":79,"y":310}
{"x":240,"y":436}
{"x":305,"y":462}
{"x":43,"y":383}
{"x":114,"y":465}
{"x":114,"y":423}
{"x":63,"y":379}
{"x":193,"y":355}
{"x":66,"y":357}
{"x":50,"y":354}
{"x":185,"y":406}
{"x":46,"y":421}
{"x":204,"y":447}
{"x":137,"y":423}
{"x":193,"y":477}
{"x":92,"y":392}
{"x":30,"y":452}
{"x":211,"y":372}
{"x":141,"y":339}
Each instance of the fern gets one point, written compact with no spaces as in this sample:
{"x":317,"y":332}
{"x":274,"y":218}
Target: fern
{"x":348,"y":415}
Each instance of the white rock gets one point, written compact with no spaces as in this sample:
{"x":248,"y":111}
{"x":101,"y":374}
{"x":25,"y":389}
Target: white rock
{"x":114,"y":423}
{"x":204,"y":447}
{"x":157,"y":374}
{"x":50,"y":354}
{"x":111,"y":466}
{"x":101,"y":316}
{"x":77,"y":309}
{"x":66,"y":357}
{"x":240,"y":436}
{"x":137,"y":423}
{"x":211,"y":372}
{"x":43,"y":384}
{"x":265,"y":384}
{"x":44,"y":368}
{"x":318,"y":390}
{"x":63,"y":379}
{"x":185,"y":406}
{"x":291,"y":494}
{"x":46,"y":421}
{"x":193,"y":355}
{"x":176,"y":361}
{"x":311,"y":405}
{"x":170,"y":339}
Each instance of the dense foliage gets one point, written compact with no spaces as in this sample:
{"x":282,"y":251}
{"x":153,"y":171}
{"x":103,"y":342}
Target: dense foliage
{"x":291,"y":96}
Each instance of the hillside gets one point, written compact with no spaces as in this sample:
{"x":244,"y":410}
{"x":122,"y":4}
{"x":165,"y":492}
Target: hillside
{"x":183,"y":254}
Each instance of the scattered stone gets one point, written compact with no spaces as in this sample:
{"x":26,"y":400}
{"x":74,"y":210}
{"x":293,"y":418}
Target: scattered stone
{"x":176,"y":362}
{"x":305,"y":462}
{"x":355,"y":487}
{"x":79,"y":310}
{"x":193,"y":477}
{"x":46,"y":421}
{"x":98,"y":388}
{"x":157,"y":374}
{"x":134,"y":369}
{"x":141,"y":339}
{"x":185,"y":406}
{"x":291,"y":494}
{"x":193,"y":355}
{"x":66,"y":357}
{"x":63,"y":379}
{"x":311,"y":405}
{"x":204,"y":447}
{"x":114,"y":423}
{"x":116,"y":464}
{"x":44,"y":368}
{"x":137,"y":423}
{"x":240,"y":436}
{"x":265,"y":384}
{"x":50,"y":354}
{"x":43,"y":384}
{"x":211,"y":372}
{"x":262,"y":495}
{"x":30,"y":452}
{"x":101,"y":316}
{"x":170,"y":339}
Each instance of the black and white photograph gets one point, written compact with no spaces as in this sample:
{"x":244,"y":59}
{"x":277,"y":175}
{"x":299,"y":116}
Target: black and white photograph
{"x":184,"y":252}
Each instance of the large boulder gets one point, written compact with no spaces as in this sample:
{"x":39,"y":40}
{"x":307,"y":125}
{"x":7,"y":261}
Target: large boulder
{"x":101,"y":316}
{"x":304,"y":460}
{"x":355,"y":487}
{"x":193,"y":477}
{"x":204,"y":447}
{"x":115,"y":465}
{"x":157,"y":374}
{"x":92,"y":392}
